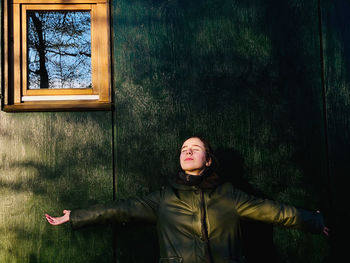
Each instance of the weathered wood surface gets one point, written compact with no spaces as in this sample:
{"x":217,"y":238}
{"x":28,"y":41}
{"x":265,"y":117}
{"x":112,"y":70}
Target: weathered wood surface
{"x":246,"y":75}
{"x":50,"y":162}
{"x":337,"y":83}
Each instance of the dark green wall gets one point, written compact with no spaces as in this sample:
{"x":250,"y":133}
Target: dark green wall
{"x":50,"y":162}
{"x":337,"y":84}
{"x":245,"y":74}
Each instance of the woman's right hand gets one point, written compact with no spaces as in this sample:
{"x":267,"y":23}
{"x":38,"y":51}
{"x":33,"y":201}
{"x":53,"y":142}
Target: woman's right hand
{"x":55,"y":221}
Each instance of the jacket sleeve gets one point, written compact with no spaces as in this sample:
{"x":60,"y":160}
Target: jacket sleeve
{"x":120,"y":211}
{"x":269,"y":211}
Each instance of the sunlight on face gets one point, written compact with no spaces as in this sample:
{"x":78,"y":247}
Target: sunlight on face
{"x":193,"y":158}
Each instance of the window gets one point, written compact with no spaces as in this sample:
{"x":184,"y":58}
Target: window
{"x":56,"y":55}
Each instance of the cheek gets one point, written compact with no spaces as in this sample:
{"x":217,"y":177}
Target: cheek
{"x":202,"y":158}
{"x":181,"y":158}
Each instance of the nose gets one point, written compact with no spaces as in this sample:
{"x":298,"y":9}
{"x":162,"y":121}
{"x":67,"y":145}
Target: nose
{"x":189,"y":152}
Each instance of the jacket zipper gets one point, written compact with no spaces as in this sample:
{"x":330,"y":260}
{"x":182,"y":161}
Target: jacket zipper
{"x":204,"y":230}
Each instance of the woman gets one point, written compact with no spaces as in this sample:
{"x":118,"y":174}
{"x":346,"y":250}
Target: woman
{"x":197,"y":216}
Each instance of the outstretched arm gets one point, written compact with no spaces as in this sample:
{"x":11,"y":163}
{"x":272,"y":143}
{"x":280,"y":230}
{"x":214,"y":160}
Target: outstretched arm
{"x":55,"y":221}
{"x":270,"y":211}
{"x":120,"y":211}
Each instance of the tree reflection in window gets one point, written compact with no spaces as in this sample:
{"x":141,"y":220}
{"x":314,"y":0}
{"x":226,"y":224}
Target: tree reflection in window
{"x":59,"y":49}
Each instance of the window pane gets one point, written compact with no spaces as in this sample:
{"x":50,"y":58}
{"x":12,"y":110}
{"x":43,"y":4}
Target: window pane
{"x":59,"y":49}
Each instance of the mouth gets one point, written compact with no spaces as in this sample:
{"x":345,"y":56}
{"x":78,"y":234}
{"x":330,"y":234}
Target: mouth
{"x":188,"y":159}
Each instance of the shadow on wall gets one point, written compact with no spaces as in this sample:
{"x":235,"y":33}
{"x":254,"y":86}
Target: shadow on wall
{"x":50,"y":162}
{"x":241,"y":71}
{"x":257,"y":236}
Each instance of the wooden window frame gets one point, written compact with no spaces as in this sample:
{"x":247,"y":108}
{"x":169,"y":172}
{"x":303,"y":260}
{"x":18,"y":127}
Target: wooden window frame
{"x":16,"y":95}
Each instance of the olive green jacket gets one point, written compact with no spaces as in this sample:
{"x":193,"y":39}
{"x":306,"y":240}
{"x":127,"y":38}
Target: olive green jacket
{"x":196,"y":225}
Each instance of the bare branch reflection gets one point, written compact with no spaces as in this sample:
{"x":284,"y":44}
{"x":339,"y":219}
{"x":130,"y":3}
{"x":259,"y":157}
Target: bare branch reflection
{"x":59,"y":49}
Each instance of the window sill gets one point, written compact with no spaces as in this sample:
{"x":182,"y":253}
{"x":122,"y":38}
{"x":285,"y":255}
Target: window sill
{"x":59,"y":106}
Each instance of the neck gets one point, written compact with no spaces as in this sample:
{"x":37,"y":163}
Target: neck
{"x":195,"y":172}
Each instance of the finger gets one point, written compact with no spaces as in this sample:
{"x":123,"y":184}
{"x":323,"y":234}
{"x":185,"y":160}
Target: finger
{"x":52,"y":222}
{"x":49,"y":217}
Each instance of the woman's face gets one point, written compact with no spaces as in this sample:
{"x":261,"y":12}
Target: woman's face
{"x":193,"y":158}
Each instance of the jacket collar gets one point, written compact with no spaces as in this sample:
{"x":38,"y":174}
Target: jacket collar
{"x":206,"y":181}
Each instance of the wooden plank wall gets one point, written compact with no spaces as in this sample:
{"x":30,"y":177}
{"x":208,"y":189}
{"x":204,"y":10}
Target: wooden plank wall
{"x":245,"y":74}
{"x":51,"y":162}
{"x":337,"y":85}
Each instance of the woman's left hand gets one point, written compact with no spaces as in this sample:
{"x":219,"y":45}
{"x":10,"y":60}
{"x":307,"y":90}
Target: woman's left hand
{"x":326,"y":231}
{"x":55,"y":221}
